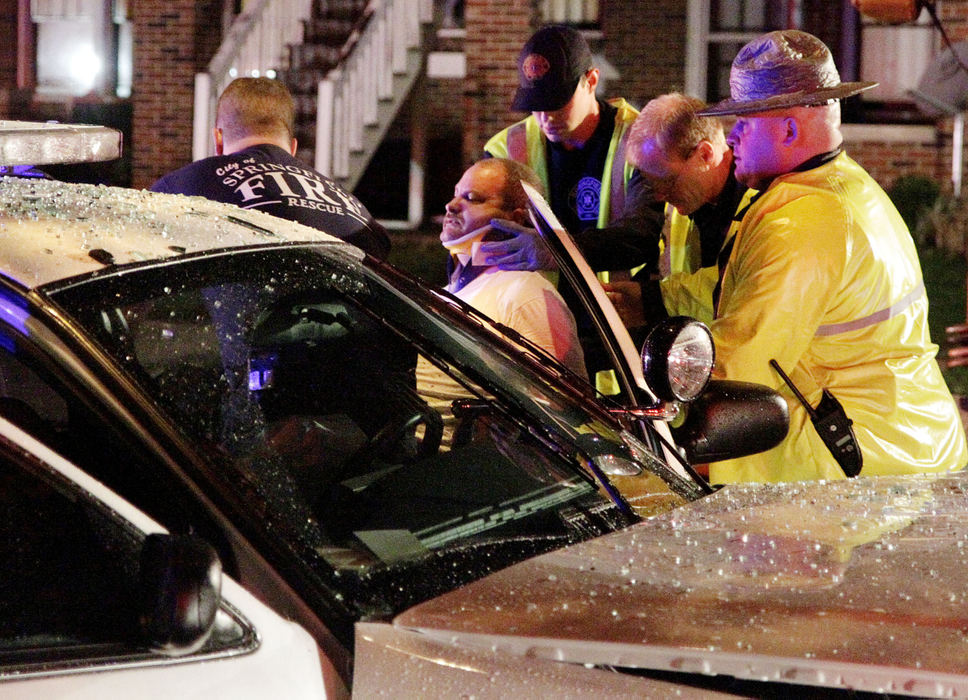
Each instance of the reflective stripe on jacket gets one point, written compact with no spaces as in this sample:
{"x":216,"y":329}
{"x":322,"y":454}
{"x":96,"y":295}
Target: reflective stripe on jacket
{"x":824,"y":277}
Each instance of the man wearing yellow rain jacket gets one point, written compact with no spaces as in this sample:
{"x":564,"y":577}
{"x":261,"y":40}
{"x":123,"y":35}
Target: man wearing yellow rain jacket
{"x":824,"y":278}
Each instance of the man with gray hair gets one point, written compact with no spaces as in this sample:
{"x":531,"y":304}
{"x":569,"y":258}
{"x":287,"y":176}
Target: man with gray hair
{"x":255,"y":167}
{"x":687,"y":163}
{"x":821,"y":277}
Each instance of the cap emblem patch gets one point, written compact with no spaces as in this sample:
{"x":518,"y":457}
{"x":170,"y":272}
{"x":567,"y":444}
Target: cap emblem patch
{"x":535,"y":66}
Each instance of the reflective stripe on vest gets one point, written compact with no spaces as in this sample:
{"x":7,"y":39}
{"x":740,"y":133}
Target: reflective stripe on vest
{"x":617,"y":189}
{"x":876,"y":317}
{"x":518,"y":143}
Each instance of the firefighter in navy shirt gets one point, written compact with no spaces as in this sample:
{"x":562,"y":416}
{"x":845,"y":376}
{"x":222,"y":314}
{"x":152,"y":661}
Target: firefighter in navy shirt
{"x":256,"y":168}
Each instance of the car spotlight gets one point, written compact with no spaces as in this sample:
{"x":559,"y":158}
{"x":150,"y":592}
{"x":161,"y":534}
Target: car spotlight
{"x":677,"y":358}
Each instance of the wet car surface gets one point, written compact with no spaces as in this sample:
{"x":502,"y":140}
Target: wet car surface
{"x":852,"y":586}
{"x":348,"y":440}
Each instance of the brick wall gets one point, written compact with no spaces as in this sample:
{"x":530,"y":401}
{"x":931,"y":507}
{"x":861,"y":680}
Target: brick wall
{"x":888,"y":159}
{"x":496,"y":31}
{"x":631,"y":42}
{"x":174,"y":39}
{"x":8,"y":45}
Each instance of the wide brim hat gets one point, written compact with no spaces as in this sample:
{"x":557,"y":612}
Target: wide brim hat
{"x":783,"y":69}
{"x":550,"y":66}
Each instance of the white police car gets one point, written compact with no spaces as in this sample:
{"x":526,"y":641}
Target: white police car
{"x":348,"y":441}
{"x":96,"y":600}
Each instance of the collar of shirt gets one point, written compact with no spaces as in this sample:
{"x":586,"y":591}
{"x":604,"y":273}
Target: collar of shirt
{"x":818,"y":160}
{"x":462,"y":272}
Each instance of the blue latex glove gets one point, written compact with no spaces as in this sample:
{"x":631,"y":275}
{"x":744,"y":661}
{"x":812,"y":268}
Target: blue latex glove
{"x":524,"y":250}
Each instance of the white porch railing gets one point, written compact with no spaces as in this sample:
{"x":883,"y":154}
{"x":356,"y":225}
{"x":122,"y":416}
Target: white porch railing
{"x":256,"y":44}
{"x":351,"y":98}
{"x":355,"y":102}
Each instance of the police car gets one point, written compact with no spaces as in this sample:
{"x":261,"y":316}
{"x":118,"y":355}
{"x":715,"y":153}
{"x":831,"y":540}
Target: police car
{"x":97,"y":600}
{"x":347,"y":441}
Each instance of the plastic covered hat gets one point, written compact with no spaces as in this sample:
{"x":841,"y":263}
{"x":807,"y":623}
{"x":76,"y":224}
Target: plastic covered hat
{"x":782,"y":69}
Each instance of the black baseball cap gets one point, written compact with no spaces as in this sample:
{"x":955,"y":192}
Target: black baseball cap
{"x":550,"y":66}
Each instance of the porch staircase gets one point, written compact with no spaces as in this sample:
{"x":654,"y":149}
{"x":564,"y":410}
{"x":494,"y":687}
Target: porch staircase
{"x":349,"y":64}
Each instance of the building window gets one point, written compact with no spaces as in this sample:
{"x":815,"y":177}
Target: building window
{"x":578,"y":13}
{"x":82,"y":47}
{"x":895,"y":56}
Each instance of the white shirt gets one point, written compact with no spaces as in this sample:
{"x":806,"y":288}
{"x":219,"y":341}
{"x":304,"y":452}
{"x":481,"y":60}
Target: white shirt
{"x":527,"y":302}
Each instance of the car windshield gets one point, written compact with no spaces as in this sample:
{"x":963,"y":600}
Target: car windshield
{"x":372,"y":429}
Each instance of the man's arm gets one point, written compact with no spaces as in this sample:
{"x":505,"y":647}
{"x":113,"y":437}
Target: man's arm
{"x":782,"y":275}
{"x":630,"y":241}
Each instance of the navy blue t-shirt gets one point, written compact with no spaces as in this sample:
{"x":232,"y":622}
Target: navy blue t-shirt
{"x":270,"y":179}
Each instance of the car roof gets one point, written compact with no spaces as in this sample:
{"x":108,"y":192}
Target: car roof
{"x":53,"y":230}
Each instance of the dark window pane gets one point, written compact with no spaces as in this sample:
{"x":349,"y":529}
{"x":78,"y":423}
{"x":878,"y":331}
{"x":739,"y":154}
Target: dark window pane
{"x":69,"y":574}
{"x":717,"y":74}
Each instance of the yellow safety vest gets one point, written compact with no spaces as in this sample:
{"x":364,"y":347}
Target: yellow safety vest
{"x":525,"y":143}
{"x":687,"y":289}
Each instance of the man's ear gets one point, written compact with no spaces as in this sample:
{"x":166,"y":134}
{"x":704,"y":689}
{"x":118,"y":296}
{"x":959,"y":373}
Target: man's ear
{"x":293,"y":146}
{"x":592,"y":77}
{"x":706,"y":152}
{"x":219,"y":143}
{"x":792,"y":130}
{"x":520,"y":216}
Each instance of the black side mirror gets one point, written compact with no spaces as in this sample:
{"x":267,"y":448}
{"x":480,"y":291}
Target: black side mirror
{"x":732,"y":419}
{"x":181,"y":581}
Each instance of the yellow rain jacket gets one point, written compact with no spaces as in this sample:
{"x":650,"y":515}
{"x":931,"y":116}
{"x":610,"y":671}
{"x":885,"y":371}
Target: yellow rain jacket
{"x":824,"y":277}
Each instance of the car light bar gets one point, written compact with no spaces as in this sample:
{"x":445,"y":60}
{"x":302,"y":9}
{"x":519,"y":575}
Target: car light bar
{"x":38,"y":143}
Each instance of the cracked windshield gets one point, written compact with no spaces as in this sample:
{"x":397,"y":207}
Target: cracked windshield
{"x":369,"y":428}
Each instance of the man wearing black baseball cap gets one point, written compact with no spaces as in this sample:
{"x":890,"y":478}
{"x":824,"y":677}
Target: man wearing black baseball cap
{"x":576,"y":144}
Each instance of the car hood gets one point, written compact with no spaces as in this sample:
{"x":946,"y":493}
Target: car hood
{"x":858,"y":584}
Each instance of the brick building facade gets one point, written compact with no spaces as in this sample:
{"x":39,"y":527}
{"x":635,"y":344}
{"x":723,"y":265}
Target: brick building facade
{"x":174,"y":39}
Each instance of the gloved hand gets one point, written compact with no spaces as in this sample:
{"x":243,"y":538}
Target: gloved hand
{"x":524,"y":250}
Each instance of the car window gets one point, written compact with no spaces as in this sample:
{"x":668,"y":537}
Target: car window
{"x":69,"y":595}
{"x":42,"y":399}
{"x":356,"y":424}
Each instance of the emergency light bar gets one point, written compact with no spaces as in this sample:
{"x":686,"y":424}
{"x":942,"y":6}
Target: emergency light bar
{"x":39,"y":143}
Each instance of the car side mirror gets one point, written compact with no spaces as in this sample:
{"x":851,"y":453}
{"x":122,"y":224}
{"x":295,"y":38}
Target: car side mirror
{"x":732,"y":419}
{"x":181,"y":580}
